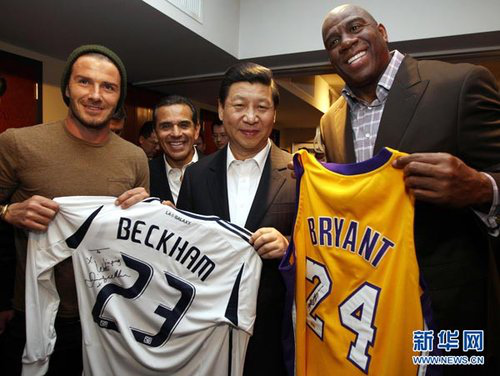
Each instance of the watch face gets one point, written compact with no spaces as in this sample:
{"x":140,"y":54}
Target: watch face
{"x":3,"y":86}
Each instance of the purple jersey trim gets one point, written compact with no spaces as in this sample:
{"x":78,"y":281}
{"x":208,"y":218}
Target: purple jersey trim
{"x":288,"y":270}
{"x":425,"y":302}
{"x":288,"y":334}
{"x":288,"y":273}
{"x":382,"y":157}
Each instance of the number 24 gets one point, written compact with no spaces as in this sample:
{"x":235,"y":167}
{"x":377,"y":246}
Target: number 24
{"x":357,"y":312}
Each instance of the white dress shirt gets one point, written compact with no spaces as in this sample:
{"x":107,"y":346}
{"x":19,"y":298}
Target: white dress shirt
{"x":175,"y":175}
{"x":243,"y":178}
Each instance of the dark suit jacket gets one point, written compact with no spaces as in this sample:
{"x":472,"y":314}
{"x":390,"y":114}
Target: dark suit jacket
{"x":453,"y":108}
{"x":204,"y":191}
{"x":7,"y":265}
{"x":158,"y":181}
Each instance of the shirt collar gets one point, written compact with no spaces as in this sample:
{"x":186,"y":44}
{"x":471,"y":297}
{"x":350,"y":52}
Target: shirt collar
{"x":259,"y":158}
{"x":193,"y":160}
{"x":385,"y":82}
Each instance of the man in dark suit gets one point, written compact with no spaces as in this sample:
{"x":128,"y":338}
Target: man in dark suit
{"x":177,"y":127}
{"x":248,"y":183}
{"x":448,"y":117}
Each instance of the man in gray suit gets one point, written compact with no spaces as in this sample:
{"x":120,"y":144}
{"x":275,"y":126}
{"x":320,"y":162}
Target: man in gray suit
{"x":247,"y":182}
{"x":448,"y":117}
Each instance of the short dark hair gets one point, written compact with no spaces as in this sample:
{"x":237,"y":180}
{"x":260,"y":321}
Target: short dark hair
{"x":176,"y":99}
{"x":248,"y":72}
{"x":120,"y":114}
{"x":216,"y":123}
{"x":147,"y":129}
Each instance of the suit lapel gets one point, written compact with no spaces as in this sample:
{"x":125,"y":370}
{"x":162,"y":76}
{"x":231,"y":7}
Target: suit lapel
{"x":166,"y":185}
{"x":217,"y":184}
{"x":348,"y":142}
{"x":159,"y":174}
{"x":336,"y":131}
{"x":404,"y":96}
{"x":271,"y":181}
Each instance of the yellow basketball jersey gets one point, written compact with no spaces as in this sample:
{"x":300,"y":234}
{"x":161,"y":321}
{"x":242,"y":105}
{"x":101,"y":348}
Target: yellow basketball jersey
{"x":357,"y":292}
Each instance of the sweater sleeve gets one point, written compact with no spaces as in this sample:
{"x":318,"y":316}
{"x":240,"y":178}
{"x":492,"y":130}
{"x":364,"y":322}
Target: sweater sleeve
{"x":9,"y":158}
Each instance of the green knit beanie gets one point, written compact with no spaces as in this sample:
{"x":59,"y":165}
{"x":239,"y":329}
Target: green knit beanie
{"x":95,"y":48}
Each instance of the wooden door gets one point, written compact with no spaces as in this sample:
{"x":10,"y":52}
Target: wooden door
{"x":21,"y":104}
{"x":207,"y":118}
{"x":139,"y":106}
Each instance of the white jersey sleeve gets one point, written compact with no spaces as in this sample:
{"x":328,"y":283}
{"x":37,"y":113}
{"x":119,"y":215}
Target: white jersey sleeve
{"x":46,"y":250}
{"x":159,"y":290}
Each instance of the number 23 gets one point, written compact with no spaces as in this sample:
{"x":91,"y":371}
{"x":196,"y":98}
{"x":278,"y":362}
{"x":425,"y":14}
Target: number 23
{"x":145,"y":274}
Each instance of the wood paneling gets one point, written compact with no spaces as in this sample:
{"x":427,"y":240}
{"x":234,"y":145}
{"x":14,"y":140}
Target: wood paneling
{"x":20,"y":106}
{"x":207,"y":118}
{"x":139,"y":106}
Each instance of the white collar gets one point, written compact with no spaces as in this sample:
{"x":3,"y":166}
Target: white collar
{"x":259,"y":158}
{"x":193,"y":160}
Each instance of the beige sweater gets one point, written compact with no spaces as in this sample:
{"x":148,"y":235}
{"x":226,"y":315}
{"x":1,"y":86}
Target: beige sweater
{"x":47,"y":160}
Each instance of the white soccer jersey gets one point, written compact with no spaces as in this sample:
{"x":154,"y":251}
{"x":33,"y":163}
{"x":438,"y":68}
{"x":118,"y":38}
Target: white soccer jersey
{"x":160,"y":291}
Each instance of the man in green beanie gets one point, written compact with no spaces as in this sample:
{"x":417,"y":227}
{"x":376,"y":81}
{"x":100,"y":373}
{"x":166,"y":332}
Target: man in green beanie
{"x":99,"y":52}
{"x":76,"y":156}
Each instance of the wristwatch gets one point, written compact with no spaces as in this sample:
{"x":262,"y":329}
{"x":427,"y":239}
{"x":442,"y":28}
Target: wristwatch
{"x":3,"y":210}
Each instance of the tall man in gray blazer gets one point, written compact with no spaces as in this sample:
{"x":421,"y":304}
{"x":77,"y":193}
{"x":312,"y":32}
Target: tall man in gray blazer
{"x":248,"y":183}
{"x":448,"y":117}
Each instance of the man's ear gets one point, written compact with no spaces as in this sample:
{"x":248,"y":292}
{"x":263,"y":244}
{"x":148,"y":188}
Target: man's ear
{"x":220,"y":109}
{"x":381,"y":29}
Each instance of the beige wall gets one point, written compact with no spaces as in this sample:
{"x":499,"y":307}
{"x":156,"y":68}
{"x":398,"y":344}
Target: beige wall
{"x":53,"y":107}
{"x":279,"y":31}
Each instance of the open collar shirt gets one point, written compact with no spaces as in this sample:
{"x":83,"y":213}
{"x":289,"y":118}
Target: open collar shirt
{"x":365,"y":120}
{"x":175,"y":175}
{"x":365,"y":117}
{"x":243,"y":179}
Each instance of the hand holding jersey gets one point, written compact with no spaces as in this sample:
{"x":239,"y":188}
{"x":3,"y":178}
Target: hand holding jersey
{"x":269,"y":243}
{"x":442,"y":178}
{"x":76,"y":156}
{"x":37,"y":212}
{"x":159,"y":290}
{"x":247,"y":183}
{"x":420,"y":107}
{"x":248,"y":113}
{"x":353,"y":269}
